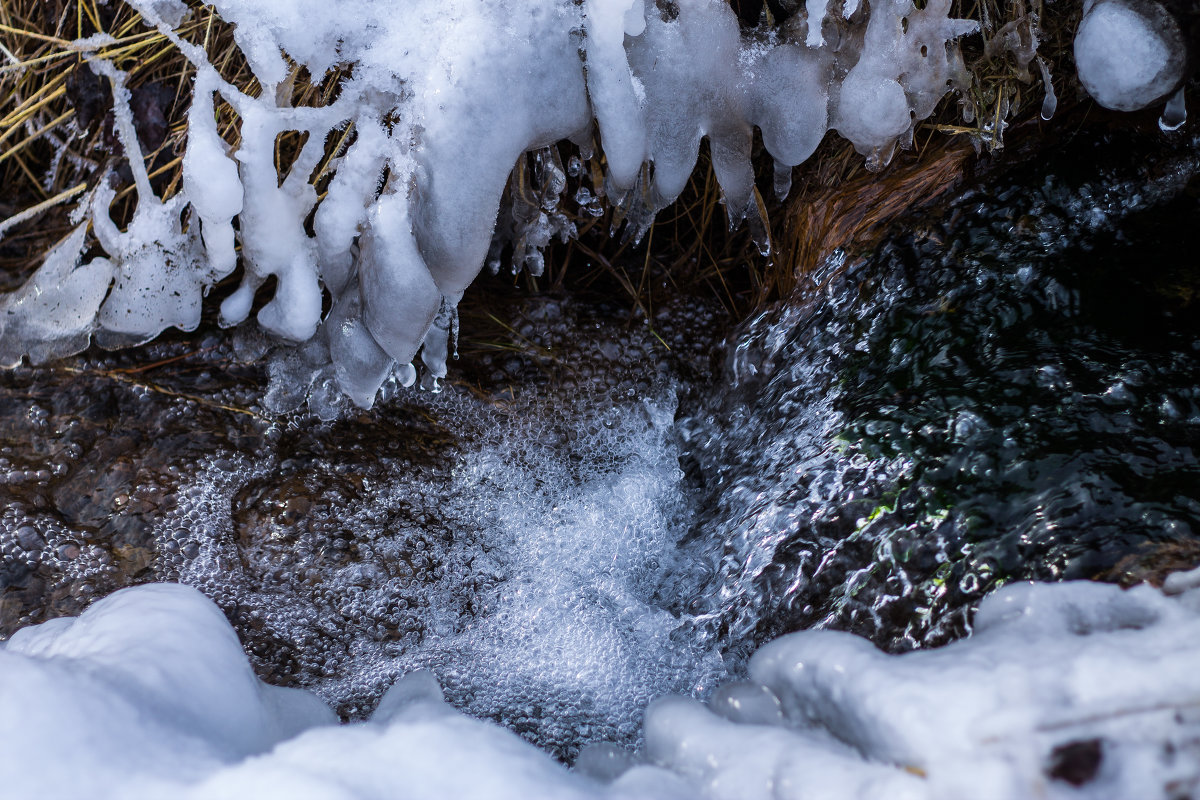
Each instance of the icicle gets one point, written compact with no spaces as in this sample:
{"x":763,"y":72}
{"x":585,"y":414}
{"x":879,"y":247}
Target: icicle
{"x":783,"y":181}
{"x":760,"y":228}
{"x":441,"y":106}
{"x":1050,"y":102}
{"x":1175,"y":113}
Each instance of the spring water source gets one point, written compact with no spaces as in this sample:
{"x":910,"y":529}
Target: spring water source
{"x":598,"y":512}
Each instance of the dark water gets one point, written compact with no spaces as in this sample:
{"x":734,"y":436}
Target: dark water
{"x":1007,"y":391}
{"x":1010,"y":391}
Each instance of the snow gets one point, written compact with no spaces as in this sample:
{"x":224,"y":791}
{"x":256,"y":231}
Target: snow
{"x":443,"y":99}
{"x":148,"y":694}
{"x":1128,"y":55}
{"x":148,"y":688}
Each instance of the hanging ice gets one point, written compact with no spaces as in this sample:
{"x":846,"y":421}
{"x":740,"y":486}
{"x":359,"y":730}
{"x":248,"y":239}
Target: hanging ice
{"x":1129,"y":53}
{"x":439,"y":101}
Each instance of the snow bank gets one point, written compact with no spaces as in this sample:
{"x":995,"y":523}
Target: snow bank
{"x":1072,"y":690}
{"x":145,"y":691}
{"x":438,"y":102}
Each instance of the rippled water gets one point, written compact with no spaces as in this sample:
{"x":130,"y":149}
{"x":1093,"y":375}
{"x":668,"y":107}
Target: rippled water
{"x":1008,"y":392}
{"x":590,"y":515}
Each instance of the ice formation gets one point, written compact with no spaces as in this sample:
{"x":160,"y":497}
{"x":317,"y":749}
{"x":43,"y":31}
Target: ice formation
{"x":1129,"y":54}
{"x":1074,"y":690}
{"x":436,"y":103}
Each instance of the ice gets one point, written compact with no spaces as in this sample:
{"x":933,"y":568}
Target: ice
{"x":611,"y":88}
{"x":904,"y":71}
{"x":173,"y":12}
{"x":1174,"y":114}
{"x":360,"y":364}
{"x":211,"y":181}
{"x":54,"y":313}
{"x":1050,"y":101}
{"x":728,"y":761}
{"x":816,"y":18}
{"x":148,"y":695}
{"x":1074,"y":690}
{"x":747,"y":702}
{"x":275,"y":242}
{"x":1129,"y":55}
{"x":435,"y":104}
{"x":399,"y":297}
{"x":1047,"y":666}
{"x":1179,"y":582}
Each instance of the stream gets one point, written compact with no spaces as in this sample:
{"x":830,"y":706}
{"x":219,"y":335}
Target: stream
{"x":600,"y":508}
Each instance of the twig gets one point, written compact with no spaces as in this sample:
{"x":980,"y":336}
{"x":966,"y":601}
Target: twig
{"x":120,"y":377}
{"x":45,"y":205}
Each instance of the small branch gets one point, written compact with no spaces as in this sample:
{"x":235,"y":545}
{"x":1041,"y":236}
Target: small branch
{"x":45,"y":205}
{"x":120,"y":377}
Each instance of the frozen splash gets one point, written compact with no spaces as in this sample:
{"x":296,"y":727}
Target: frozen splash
{"x":435,"y":102}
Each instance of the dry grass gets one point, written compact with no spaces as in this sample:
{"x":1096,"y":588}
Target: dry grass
{"x":54,"y":139}
{"x":40,"y":84}
{"x":56,"y":135}
{"x":855,"y":212}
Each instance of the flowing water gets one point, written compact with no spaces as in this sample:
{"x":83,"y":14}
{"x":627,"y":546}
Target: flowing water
{"x":592,"y":515}
{"x":1006,"y":392}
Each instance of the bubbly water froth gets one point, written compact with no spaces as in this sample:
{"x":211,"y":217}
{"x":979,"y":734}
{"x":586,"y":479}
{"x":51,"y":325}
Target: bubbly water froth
{"x":532,"y":575}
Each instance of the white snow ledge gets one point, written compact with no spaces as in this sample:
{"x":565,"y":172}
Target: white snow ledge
{"x":148,"y":695}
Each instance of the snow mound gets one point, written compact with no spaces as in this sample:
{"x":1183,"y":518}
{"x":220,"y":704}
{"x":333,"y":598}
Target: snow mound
{"x":1071,"y":690}
{"x":435,"y":103}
